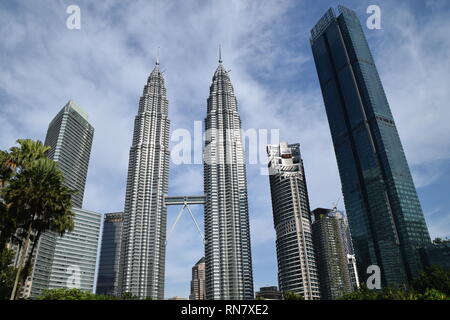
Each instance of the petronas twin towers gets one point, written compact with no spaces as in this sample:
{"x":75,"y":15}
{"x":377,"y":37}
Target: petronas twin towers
{"x":227,"y":233}
{"x":228,"y":263}
{"x":142,"y":261}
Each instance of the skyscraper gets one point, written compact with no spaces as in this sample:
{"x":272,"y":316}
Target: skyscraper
{"x":385,"y":216}
{"x":74,"y":260}
{"x":107,"y":282}
{"x":142,"y":263}
{"x":297,"y":270}
{"x":70,"y":137}
{"x":332,"y":246}
{"x":198,"y":281}
{"x":228,"y":259}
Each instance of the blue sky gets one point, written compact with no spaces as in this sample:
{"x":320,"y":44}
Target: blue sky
{"x":104,"y":66}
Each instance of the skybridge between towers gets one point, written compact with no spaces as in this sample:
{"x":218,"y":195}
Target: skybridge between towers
{"x":184,"y":201}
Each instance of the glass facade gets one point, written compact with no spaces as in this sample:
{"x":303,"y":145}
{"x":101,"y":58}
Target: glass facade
{"x":70,"y":137}
{"x":73,"y":256}
{"x":110,"y":254}
{"x":385,"y":216}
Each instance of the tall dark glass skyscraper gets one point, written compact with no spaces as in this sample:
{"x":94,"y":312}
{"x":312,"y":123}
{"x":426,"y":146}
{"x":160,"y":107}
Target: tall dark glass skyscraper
{"x":385,"y":216}
{"x":108,"y":270}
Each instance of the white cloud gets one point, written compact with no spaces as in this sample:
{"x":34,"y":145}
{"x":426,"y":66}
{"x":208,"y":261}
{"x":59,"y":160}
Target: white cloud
{"x":413,"y":57}
{"x":104,"y":67}
{"x":438,"y":225}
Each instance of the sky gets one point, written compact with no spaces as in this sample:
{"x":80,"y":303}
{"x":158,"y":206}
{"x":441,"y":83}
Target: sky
{"x":104,"y":65}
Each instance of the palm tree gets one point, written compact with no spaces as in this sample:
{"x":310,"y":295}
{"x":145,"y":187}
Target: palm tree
{"x":7,"y":224}
{"x":12,"y":163}
{"x":36,"y":199}
{"x":27,"y":152}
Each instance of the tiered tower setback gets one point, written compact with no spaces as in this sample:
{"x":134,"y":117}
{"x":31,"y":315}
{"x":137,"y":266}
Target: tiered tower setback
{"x":227,"y":232}
{"x":142,"y":263}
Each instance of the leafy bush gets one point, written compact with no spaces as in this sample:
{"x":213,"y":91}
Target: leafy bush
{"x":289,"y":295}
{"x":72,"y":294}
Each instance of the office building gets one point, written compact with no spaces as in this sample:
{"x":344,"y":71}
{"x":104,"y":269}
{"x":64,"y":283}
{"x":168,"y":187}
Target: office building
{"x":74,"y":258}
{"x":297,"y":269}
{"x":107,"y":282}
{"x":386,"y":220}
{"x":269,"y":293}
{"x":330,"y":238}
{"x":70,"y":137}
{"x":198,"y":281}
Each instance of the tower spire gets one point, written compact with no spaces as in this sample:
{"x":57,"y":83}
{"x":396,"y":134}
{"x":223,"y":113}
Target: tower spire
{"x":220,"y":53}
{"x":157,"y":57}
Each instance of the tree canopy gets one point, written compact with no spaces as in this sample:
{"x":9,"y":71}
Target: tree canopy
{"x":33,"y":199}
{"x":432,"y":284}
{"x":289,"y":295}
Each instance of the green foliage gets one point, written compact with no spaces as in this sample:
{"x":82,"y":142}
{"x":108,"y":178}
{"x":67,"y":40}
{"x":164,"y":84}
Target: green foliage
{"x":72,"y":294}
{"x":289,"y":295}
{"x":33,"y":198}
{"x":432,"y":284}
{"x":28,"y":151}
{"x":33,"y":192}
{"x":6,"y":274}
{"x":434,"y":277}
{"x":77,"y":294}
{"x":130,"y":296}
{"x":363,"y":293}
{"x":37,"y":197}
{"x":394,"y":294}
{"x":433,"y":294}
